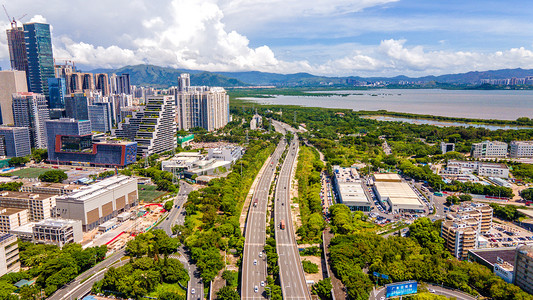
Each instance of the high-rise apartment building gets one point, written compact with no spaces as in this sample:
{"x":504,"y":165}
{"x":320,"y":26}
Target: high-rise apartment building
{"x":100,"y":116}
{"x":10,"y":82}
{"x":30,"y":110}
{"x":489,"y":149}
{"x":200,"y":106}
{"x":9,"y":254}
{"x":523,"y":274}
{"x":521,"y":149}
{"x":17,"y":48}
{"x":40,"y":57}
{"x":77,"y":106}
{"x":102,"y":83}
{"x":15,"y":141}
{"x":120,"y":84}
{"x":463,"y":227}
{"x":58,"y":89}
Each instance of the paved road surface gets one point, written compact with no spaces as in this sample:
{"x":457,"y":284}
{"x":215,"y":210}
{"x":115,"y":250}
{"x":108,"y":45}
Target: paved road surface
{"x":177,"y":217}
{"x":292,"y":277}
{"x":254,"y":266}
{"x":77,"y":289}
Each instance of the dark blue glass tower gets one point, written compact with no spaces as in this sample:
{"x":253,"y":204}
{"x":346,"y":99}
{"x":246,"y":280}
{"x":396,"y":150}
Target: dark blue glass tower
{"x":57,"y":90}
{"x":40,"y":57}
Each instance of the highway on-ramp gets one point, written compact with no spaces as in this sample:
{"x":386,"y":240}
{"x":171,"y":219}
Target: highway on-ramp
{"x":254,"y":264}
{"x":292,"y":278}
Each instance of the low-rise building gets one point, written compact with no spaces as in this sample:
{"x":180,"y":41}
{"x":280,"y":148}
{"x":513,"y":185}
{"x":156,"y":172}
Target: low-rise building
{"x":256,"y":122}
{"x":521,"y":149}
{"x":9,"y":254}
{"x":39,"y":206}
{"x":11,"y":218}
{"x":194,"y":163}
{"x":447,"y":147}
{"x":499,"y":260}
{"x":489,"y":149}
{"x":349,"y":188}
{"x":399,"y":196}
{"x":57,"y":232}
{"x":461,"y":167}
{"x":99,"y":202}
{"x":49,"y":188}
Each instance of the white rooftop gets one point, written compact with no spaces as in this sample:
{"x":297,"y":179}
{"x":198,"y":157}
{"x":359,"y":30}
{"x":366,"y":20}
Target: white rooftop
{"x":399,"y":193}
{"x":98,"y":188}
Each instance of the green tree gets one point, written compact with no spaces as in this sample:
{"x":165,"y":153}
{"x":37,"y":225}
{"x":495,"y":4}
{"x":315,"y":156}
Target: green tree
{"x":309,"y":267}
{"x":168,"y":205}
{"x":323,"y":289}
{"x":465,"y":197}
{"x":452,"y":200}
{"x":13,"y":186}
{"x":18,"y":161}
{"x":39,"y":155}
{"x":228,"y":293}
{"x":53,"y":176}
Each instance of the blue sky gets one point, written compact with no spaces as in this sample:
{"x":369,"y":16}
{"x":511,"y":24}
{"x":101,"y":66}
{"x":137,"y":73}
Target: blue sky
{"x":327,"y":37}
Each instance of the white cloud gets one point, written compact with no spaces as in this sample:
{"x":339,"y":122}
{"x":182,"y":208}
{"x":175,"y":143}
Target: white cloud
{"x":195,"y":35}
{"x":38,"y":19}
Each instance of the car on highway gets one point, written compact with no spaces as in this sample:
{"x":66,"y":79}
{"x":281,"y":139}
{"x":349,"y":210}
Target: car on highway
{"x":192,"y":291}
{"x":256,"y":289}
{"x":255,"y":262}
{"x":260,"y":254}
{"x":431,"y":290}
{"x":262,"y":283}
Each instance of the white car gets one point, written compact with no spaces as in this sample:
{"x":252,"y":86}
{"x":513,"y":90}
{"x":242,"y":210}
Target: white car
{"x":262,"y":283}
{"x":192,"y":291}
{"x":256,"y":289}
{"x":260,"y":254}
{"x":255,"y":261}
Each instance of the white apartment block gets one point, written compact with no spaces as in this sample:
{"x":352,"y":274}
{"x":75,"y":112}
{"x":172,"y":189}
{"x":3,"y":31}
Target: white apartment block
{"x":520,"y":149}
{"x":200,"y":106}
{"x":49,"y":188}
{"x":457,"y":167}
{"x":9,"y":254}
{"x":11,"y":218}
{"x":99,"y":202}
{"x":489,"y":149}
{"x":39,"y":206}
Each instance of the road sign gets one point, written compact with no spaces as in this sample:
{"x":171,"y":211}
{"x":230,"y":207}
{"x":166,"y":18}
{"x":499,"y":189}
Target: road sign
{"x":384,"y":276}
{"x":401,"y":288}
{"x":376,"y":274}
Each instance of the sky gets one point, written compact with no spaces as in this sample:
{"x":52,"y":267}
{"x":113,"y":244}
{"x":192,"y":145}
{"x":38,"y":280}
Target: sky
{"x":321,"y":37}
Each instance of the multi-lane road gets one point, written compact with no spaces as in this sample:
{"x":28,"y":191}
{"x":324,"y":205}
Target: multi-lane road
{"x":292,"y":278}
{"x":254,"y":264}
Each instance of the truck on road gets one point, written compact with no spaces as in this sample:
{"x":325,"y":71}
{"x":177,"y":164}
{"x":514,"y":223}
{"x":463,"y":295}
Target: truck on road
{"x":255,"y":202}
{"x":282,"y":224}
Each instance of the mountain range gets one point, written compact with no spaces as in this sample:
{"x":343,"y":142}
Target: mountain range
{"x":161,"y":77}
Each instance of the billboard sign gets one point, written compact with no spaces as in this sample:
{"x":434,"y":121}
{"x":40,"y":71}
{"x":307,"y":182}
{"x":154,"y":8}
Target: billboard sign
{"x":401,"y":288}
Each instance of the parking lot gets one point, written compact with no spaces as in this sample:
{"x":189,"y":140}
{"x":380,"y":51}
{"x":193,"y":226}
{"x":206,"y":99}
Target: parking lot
{"x":502,"y":235}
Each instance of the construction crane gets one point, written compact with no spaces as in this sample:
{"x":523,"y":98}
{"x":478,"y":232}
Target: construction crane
{"x":12,"y":20}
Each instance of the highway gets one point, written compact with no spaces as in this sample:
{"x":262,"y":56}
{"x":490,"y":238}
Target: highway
{"x":293,"y":285}
{"x":254,"y":264}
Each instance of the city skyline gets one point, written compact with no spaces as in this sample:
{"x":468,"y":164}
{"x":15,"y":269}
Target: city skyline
{"x":338,"y":37}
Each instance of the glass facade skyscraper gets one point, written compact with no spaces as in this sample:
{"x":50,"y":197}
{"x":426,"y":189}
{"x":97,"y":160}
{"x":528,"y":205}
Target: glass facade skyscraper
{"x":57,"y":90}
{"x":76,"y":106}
{"x":40,"y":57}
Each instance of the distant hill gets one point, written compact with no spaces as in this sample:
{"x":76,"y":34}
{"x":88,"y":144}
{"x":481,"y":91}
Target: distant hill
{"x":150,"y":75}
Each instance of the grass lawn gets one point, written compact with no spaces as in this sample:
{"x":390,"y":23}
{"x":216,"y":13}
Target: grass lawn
{"x":148,"y":193}
{"x":164,"y":287}
{"x":30,"y":172}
